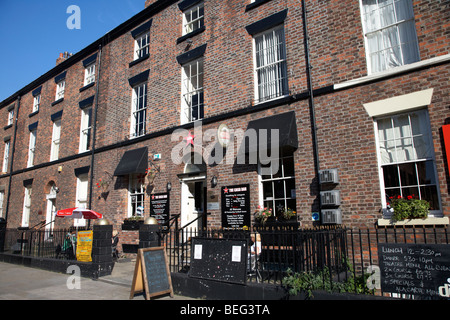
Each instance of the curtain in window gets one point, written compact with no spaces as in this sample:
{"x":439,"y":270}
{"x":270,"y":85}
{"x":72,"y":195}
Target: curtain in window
{"x":404,"y":138}
{"x":390,"y":32}
{"x":271,"y":64}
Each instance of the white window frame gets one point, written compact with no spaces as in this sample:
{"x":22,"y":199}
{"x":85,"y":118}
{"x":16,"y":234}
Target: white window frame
{"x":60,"y":89}
{"x":192,"y":80}
{"x":136,"y":193}
{"x":36,"y":102}
{"x":270,"y":70}
{"x":10,"y":116}
{"x":277,"y":177}
{"x":6,"y":156}
{"x":56,"y":140}
{"x":193,"y":18}
{"x":26,"y":207}
{"x":425,"y":135}
{"x":32,"y":148}
{"x":85,"y":129}
{"x":139,"y":110}
{"x":82,"y":197}
{"x":396,"y":40}
{"x":142,"y":45}
{"x":89,"y":74}
{"x":2,"y":199}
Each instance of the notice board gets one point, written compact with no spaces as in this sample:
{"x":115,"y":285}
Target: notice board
{"x":417,"y":269}
{"x":151,"y":273}
{"x":236,"y":206}
{"x":160,"y":207}
{"x":219,"y":259}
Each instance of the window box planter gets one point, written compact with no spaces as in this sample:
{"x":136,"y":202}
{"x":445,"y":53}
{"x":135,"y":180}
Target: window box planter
{"x":277,"y":225}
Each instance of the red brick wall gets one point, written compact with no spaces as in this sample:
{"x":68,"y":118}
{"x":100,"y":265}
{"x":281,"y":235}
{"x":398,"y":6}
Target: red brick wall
{"x":346,"y":135}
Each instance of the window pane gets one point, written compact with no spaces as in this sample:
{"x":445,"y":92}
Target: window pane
{"x":268,"y":204}
{"x":429,"y":193}
{"x":410,"y":191}
{"x":291,"y":204}
{"x":290,"y":188}
{"x":426,"y":172}
{"x":267,"y":190}
{"x":280,"y":205}
{"x":392,"y":193}
{"x":278,"y":185}
{"x":390,"y":174}
{"x":408,"y":174}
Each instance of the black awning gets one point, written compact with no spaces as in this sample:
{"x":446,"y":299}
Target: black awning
{"x":285,"y":123}
{"x":133,"y":161}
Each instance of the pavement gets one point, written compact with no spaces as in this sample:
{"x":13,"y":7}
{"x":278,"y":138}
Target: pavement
{"x":18,"y":282}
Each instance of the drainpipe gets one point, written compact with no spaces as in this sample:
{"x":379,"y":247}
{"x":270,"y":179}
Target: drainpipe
{"x":94,"y":135}
{"x":311,"y":98}
{"x":12,"y":152}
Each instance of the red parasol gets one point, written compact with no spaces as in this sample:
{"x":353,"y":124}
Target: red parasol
{"x":78,"y":213}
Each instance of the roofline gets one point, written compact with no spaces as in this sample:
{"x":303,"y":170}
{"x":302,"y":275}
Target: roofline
{"x":126,"y":26}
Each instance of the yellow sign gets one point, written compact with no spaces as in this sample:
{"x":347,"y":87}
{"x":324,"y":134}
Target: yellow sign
{"x":84,"y":246}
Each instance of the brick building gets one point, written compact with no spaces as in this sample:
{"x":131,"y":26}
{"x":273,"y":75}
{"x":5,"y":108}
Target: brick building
{"x":358,"y":90}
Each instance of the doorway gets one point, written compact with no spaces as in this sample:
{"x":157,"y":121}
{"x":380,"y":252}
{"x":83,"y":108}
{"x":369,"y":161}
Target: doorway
{"x":50,"y":216}
{"x":192,"y":203}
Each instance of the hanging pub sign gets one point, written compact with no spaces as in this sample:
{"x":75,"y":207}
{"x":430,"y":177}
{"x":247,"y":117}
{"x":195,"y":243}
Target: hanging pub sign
{"x":236,"y":206}
{"x":160,"y":207}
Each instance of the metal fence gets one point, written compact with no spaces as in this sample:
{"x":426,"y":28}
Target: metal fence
{"x":54,"y":244}
{"x":335,"y":259}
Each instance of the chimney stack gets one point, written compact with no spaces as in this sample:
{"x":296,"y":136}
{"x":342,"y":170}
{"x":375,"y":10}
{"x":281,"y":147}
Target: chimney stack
{"x":63,"y":56}
{"x":149,"y":2}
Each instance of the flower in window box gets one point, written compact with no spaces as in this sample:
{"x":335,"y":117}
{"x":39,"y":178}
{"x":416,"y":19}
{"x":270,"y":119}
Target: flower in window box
{"x":408,"y":208}
{"x":288,"y":214}
{"x":263,"y":214}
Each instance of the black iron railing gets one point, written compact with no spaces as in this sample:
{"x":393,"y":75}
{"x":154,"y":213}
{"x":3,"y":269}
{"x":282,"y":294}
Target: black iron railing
{"x":54,"y":244}
{"x":340,"y":258}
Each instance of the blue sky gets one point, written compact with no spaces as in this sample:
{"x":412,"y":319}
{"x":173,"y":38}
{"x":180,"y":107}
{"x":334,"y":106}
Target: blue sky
{"x":34,"y":32}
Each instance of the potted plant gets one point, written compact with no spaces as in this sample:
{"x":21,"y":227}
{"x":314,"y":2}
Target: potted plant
{"x":263,"y":214}
{"x":287,"y":215}
{"x":151,"y":174}
{"x":132,"y":223}
{"x":408,"y":208}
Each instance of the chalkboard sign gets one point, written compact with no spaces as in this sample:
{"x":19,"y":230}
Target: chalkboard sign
{"x":160,"y":207}
{"x":219,"y":259}
{"x":236,"y":206}
{"x":416,"y":269}
{"x":151,"y":273}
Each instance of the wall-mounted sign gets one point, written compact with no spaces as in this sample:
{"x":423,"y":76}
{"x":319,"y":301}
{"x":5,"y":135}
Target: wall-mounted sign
{"x":236,"y":206}
{"x":223,"y":135}
{"x":160,"y":207}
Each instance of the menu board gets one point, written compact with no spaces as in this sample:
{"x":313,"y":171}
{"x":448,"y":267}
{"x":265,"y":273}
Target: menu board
{"x":416,"y":269}
{"x":236,"y":206}
{"x":160,"y":207}
{"x":222,"y":260}
{"x":151,"y":273}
